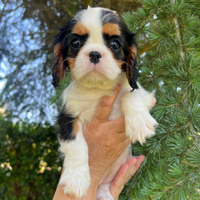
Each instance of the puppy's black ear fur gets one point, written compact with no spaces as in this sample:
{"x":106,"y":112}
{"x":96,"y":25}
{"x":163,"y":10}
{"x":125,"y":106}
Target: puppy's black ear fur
{"x":60,"y":62}
{"x":131,"y":69}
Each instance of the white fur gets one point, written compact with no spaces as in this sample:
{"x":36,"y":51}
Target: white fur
{"x":82,"y":102}
{"x":91,"y":20}
{"x":76,"y":176}
{"x":81,"y":98}
{"x":83,"y":65}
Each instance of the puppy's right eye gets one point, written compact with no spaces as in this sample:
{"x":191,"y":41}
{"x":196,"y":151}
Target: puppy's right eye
{"x":76,"y":43}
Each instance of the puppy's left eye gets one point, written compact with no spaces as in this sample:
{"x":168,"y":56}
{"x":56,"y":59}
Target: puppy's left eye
{"x":115,"y":44}
{"x":76,"y":43}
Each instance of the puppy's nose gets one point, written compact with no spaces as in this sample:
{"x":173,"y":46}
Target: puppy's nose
{"x":94,"y":57}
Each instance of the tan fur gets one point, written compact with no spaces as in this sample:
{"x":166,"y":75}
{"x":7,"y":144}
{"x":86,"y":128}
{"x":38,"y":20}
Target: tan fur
{"x":71,"y":63}
{"x":111,"y":29}
{"x":60,"y":69}
{"x":80,"y":29}
{"x":76,"y":128}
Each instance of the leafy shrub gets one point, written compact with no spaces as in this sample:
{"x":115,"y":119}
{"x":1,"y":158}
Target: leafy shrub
{"x":29,"y":161}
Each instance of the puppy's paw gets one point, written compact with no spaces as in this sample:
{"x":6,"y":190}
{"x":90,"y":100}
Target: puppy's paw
{"x":76,"y":182}
{"x":103,"y":192}
{"x":140,"y":126}
{"x":139,"y":122}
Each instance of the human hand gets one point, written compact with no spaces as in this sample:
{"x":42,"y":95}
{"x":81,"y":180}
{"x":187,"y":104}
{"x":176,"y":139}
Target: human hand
{"x":124,"y":174}
{"x":95,"y":133}
{"x":106,"y":139}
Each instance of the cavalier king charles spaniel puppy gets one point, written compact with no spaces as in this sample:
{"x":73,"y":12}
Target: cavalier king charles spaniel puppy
{"x":100,"y":52}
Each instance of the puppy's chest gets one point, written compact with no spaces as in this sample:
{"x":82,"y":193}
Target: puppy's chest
{"x":84,"y":108}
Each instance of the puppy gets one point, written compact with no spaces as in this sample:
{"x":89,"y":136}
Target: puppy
{"x":100,"y":52}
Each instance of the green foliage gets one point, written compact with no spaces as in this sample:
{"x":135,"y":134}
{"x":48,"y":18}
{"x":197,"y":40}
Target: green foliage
{"x":29,"y":161}
{"x":62,"y":85}
{"x":171,"y":67}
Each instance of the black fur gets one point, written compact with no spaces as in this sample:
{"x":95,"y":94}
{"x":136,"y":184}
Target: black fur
{"x":118,"y":53}
{"x":109,"y":16}
{"x":55,"y":79}
{"x":65,"y":122}
{"x":64,"y":32}
{"x":64,"y":38}
{"x":126,"y":40}
{"x":134,"y":75}
{"x":68,"y":49}
{"x":133,"y":61}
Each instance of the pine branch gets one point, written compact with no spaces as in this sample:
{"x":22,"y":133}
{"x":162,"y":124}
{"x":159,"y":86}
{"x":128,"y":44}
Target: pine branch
{"x":62,"y":85}
{"x":147,"y":47}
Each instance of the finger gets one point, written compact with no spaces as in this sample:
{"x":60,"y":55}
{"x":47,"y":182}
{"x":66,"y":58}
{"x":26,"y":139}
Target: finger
{"x":131,"y":162}
{"x":117,"y":185}
{"x":124,"y":172}
{"x":135,"y":167}
{"x":139,"y":161}
{"x":105,"y":106}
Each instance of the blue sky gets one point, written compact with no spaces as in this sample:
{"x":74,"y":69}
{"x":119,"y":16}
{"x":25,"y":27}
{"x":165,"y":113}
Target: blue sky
{"x":23,"y":38}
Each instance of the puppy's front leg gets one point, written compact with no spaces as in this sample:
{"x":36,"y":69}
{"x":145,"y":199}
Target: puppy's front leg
{"x":139,"y":122}
{"x":76,"y":177}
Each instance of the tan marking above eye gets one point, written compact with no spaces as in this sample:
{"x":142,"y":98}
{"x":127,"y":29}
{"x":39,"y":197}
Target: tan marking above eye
{"x":80,"y":29}
{"x":111,"y":29}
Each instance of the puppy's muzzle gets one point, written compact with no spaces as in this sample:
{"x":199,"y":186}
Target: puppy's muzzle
{"x":94,"y":57}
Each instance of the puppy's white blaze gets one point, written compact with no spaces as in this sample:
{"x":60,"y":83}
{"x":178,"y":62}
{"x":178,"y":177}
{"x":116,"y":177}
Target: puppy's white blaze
{"x":91,"y":19}
{"x":107,"y":66}
{"x":76,"y":176}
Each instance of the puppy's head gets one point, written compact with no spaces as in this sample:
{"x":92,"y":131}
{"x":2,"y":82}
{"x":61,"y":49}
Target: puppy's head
{"x":96,"y":47}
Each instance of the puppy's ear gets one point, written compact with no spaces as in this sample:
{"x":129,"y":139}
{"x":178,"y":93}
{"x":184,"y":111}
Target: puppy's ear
{"x":60,"y":62}
{"x":131,"y":69}
{"x":58,"y":67}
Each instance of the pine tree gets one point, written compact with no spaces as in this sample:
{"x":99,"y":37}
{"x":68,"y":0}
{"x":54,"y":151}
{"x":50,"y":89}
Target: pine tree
{"x":167,"y":32}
